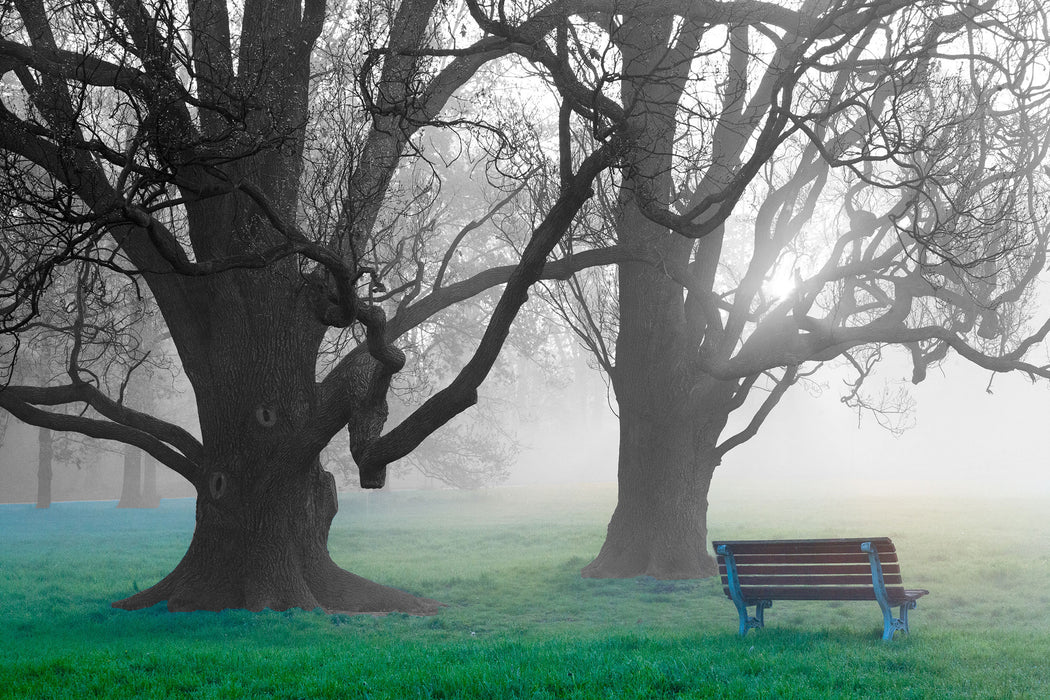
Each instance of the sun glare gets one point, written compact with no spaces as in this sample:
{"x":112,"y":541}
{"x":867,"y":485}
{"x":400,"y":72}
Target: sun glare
{"x":780,"y":285}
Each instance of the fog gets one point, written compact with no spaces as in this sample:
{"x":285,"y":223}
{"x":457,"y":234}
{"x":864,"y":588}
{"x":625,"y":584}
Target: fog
{"x":964,"y":439}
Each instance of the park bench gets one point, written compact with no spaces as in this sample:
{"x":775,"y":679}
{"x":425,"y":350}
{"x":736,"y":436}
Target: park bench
{"x":757,"y":572}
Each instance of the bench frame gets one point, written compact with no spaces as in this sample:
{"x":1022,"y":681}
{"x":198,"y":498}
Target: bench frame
{"x":891,"y":624}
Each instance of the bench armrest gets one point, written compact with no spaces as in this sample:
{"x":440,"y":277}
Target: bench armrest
{"x":737,"y":595}
{"x":877,"y":580}
{"x":891,"y":624}
{"x":731,"y":574}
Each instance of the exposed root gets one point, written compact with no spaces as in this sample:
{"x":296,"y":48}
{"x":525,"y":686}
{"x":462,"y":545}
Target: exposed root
{"x":328,"y":587}
{"x":339,"y":591}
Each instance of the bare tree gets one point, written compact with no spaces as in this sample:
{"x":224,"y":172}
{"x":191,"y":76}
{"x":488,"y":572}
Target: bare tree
{"x":898,"y":198}
{"x":197,"y":149}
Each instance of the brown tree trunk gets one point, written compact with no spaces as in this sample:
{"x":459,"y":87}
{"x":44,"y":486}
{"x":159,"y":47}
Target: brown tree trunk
{"x":44,"y":472}
{"x":671,"y":417}
{"x":131,"y":489}
{"x":670,"y":420}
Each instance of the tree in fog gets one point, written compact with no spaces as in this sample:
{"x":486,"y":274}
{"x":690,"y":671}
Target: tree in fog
{"x":240,"y":163}
{"x":897,"y":199}
{"x":105,"y":330}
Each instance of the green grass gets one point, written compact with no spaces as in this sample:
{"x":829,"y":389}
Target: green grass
{"x":520,"y":621}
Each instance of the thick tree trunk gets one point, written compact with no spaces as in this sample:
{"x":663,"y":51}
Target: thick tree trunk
{"x":666,"y":463}
{"x":670,"y":419}
{"x":44,"y":472}
{"x":264,"y":504}
{"x":131,"y":489}
{"x":669,"y":423}
{"x":264,"y":545}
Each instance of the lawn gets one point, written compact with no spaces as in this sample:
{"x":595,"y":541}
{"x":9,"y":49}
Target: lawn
{"x":519,"y":621}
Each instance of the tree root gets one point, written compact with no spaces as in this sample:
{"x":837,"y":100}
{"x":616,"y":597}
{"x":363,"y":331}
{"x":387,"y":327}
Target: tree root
{"x":326,"y":586}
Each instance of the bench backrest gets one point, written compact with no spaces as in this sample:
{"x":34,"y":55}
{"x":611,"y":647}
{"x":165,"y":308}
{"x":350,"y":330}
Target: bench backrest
{"x":834,"y":569}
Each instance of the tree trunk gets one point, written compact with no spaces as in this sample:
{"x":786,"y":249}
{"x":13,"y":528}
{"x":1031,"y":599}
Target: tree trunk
{"x":667,"y":459}
{"x":671,"y":417}
{"x":150,"y":498}
{"x":659,"y":527}
{"x":669,"y":423}
{"x":259,"y":546}
{"x":131,"y":489}
{"x":44,"y":473}
{"x":264,"y":504}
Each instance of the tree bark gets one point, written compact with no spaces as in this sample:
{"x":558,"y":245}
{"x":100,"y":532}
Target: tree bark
{"x":659,"y":527}
{"x":669,"y":423}
{"x":44,"y":472}
{"x":264,"y":504}
{"x":259,"y":546}
{"x":671,"y":416}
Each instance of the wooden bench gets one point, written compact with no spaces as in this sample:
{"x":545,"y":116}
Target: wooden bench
{"x":757,"y":572}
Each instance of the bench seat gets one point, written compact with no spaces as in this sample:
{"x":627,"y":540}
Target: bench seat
{"x":757,"y":572}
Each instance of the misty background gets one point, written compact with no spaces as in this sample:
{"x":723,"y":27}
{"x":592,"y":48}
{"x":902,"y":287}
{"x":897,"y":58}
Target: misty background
{"x":965,"y":430}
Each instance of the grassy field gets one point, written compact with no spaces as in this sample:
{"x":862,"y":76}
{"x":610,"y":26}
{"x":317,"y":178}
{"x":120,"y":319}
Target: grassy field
{"x":520,"y":621}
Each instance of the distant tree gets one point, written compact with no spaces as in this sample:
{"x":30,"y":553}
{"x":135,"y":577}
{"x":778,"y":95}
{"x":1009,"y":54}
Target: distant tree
{"x":42,"y":359}
{"x":44,"y":469}
{"x":146,"y":383}
{"x":898,"y":199}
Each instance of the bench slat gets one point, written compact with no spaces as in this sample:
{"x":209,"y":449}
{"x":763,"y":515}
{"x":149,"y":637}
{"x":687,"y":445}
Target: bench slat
{"x":832,"y":546}
{"x":851,"y":580}
{"x":858,"y":558}
{"x":752,"y":594}
{"x":805,"y":569}
{"x":896,"y":595}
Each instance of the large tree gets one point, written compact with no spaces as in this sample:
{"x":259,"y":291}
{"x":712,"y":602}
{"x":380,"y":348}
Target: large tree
{"x":240,"y":162}
{"x":899,"y":200}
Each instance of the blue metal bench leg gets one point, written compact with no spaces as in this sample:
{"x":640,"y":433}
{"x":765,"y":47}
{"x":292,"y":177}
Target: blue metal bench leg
{"x":760,"y":612}
{"x":890,"y":624}
{"x":756,"y":621}
{"x":893,"y":624}
{"x":747,"y":622}
{"x":903,"y":620}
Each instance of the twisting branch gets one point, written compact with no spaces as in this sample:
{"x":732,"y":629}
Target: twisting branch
{"x":461,"y":393}
{"x":105,"y":430}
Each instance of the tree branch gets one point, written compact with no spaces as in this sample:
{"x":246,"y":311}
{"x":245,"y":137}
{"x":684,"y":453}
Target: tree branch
{"x":770,"y":402}
{"x":87,"y":393}
{"x":101,"y":429}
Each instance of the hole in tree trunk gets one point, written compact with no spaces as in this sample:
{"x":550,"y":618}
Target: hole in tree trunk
{"x":217,"y":485}
{"x":266,"y":415}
